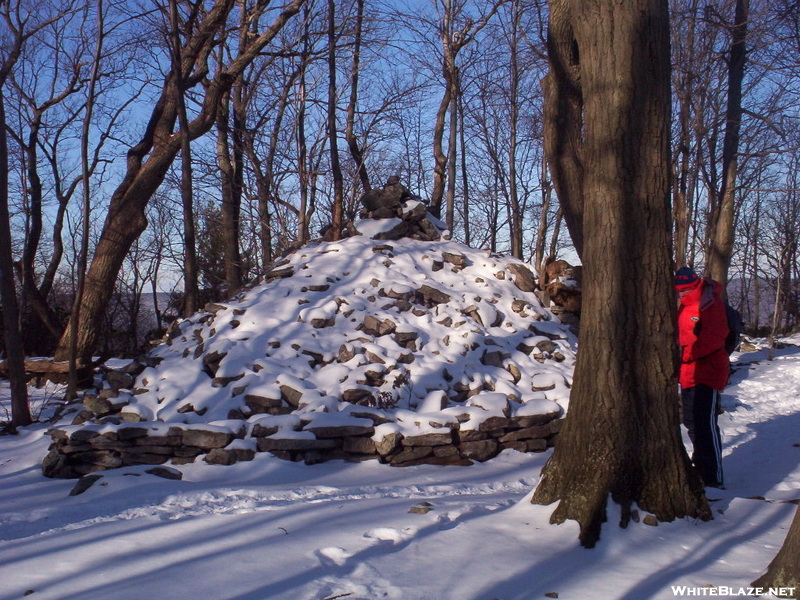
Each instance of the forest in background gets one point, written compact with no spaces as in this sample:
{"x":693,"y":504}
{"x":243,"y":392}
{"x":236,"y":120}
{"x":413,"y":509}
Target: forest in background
{"x":236,"y":151}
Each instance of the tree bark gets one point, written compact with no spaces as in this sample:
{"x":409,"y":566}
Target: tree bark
{"x":337,"y":212}
{"x":516,"y":212}
{"x":83,"y":254}
{"x":719,"y":255}
{"x":624,"y":395}
{"x":563,"y":115}
{"x":15,"y":356}
{"x":784,"y":570}
{"x":230,"y":174}
{"x":191,"y":287}
{"x":352,"y":140}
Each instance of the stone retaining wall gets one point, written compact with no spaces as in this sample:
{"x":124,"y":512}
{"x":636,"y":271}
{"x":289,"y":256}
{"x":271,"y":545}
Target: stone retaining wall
{"x":76,"y":451}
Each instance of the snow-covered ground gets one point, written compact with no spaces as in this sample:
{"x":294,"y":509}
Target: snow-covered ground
{"x":272,"y":529}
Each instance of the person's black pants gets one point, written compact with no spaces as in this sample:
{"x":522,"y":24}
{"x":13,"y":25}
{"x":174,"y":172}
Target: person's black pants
{"x":700,"y":417}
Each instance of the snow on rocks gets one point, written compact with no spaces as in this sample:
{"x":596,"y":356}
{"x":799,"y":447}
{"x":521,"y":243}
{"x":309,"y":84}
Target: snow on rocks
{"x":407,"y":351}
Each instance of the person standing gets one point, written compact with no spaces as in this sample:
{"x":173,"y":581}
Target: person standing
{"x":705,"y":367}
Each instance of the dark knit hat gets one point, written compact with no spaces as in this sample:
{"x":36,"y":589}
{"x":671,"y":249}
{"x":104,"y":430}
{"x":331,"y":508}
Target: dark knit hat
{"x":685,"y":279}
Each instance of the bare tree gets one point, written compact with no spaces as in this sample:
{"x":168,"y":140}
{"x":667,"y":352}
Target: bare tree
{"x":719,"y":255}
{"x":352,"y":140}
{"x":83,"y":254}
{"x":17,"y":18}
{"x":453,"y":39}
{"x":337,"y":216}
{"x":150,"y":159}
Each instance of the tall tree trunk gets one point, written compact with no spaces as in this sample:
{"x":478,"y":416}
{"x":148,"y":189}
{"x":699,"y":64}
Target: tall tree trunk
{"x":231,"y":198}
{"x":452,"y":43}
{"x":337,"y":212}
{"x":352,"y":140}
{"x":719,"y":256}
{"x":563,"y":115}
{"x":452,"y":154}
{"x":191,"y":287}
{"x":303,"y":233}
{"x":624,"y":394}
{"x":15,"y":356}
{"x":784,"y":570}
{"x":541,"y":233}
{"x":465,"y":202}
{"x":83,"y":254}
{"x":149,"y":161}
{"x":516,"y":212}
{"x":439,"y":157}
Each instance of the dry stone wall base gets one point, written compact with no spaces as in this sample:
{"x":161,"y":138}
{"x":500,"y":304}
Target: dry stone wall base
{"x":74,"y":454}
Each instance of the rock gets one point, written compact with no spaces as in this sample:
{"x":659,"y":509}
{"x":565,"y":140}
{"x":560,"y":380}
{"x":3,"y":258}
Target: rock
{"x":495,"y":424}
{"x":428,"y":439}
{"x":494,"y":358}
{"x":406,"y":339}
{"x":470,"y":435}
{"x":129,"y":458}
{"x":261,"y":404}
{"x":479,"y":450}
{"x":359,"y":445}
{"x":84,"y":483}
{"x":166,"y":473}
{"x":97,"y":405}
{"x":268,"y":444}
{"x":358,"y":396}
{"x":376,"y":327}
{"x":346,"y":353}
{"x":206,"y":439}
{"x":119,"y":380}
{"x":274,"y":274}
{"x":229,"y":456}
{"x":430,"y":297}
{"x":410,"y":454}
{"x":459,"y":261}
{"x":129,"y":433}
{"x":650,"y":520}
{"x":389,"y":443}
{"x":340,"y":431}
{"x":529,"y":433}
{"x":423,"y":508}
{"x":523,"y":277}
{"x":291,"y":395}
{"x":562,"y":284}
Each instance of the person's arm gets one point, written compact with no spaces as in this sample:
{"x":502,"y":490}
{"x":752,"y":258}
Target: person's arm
{"x":710,"y":331}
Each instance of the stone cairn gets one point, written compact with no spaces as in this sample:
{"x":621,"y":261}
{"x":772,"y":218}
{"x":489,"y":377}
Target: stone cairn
{"x":395,"y":201}
{"x":473,"y":421}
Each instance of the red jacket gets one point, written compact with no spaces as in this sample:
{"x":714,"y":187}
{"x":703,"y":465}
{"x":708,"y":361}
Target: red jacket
{"x":702,"y":329}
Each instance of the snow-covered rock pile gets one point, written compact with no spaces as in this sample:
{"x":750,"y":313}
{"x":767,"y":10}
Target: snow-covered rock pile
{"x":406,"y":351}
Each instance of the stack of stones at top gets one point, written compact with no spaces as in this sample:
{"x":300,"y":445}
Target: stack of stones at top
{"x":394,"y":201}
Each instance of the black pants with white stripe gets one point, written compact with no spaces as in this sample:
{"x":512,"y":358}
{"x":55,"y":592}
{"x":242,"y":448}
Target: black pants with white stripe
{"x":700,"y":417}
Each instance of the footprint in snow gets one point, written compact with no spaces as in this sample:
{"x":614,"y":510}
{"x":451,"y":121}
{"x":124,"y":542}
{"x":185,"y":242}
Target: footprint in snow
{"x":333,"y":556}
{"x":390,"y":534}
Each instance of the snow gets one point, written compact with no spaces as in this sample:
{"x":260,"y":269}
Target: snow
{"x":274,"y":529}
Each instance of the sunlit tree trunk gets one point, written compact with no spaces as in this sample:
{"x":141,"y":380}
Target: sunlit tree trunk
{"x":83,"y":253}
{"x":149,"y":161}
{"x":337,"y":212}
{"x":784,"y":570}
{"x":352,"y":141}
{"x":719,"y":255}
